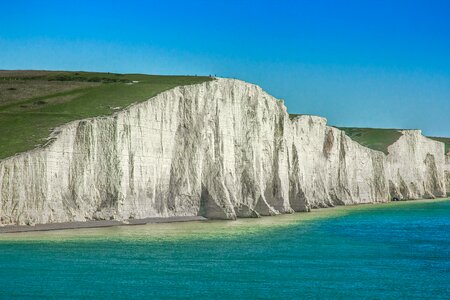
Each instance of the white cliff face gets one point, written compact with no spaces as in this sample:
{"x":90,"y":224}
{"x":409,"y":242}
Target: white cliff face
{"x":416,"y":166}
{"x":328,"y":168}
{"x":447,"y":174}
{"x":221,"y":149}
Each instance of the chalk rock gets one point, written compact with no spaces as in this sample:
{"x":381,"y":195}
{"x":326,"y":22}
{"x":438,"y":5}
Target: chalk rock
{"x":416,"y":166}
{"x":221,"y":149}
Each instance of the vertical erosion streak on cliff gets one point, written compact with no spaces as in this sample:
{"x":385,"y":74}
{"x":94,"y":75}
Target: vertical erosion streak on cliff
{"x":308,"y":135}
{"x":332,"y":168}
{"x":185,"y":174}
{"x":221,"y":149}
{"x":241,"y":163}
{"x":297,"y":197}
{"x":380,"y":190}
{"x":343,"y":190}
{"x":432,"y":182}
{"x":415,"y":167}
{"x":217,"y":188}
{"x":109,"y":174}
{"x":278,"y":185}
{"x":81,"y":171}
{"x":446,"y":174}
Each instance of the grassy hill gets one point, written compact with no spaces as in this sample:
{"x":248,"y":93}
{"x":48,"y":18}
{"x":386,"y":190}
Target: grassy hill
{"x":32,"y":103}
{"x":373,"y":138}
{"x":381,"y":139}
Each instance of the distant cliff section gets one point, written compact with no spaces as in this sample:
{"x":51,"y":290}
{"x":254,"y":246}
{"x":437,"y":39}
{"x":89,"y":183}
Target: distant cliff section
{"x":446,"y":141}
{"x":447,"y":173}
{"x":222,"y":149}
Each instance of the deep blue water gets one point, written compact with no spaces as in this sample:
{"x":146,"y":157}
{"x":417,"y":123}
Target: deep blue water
{"x":391,"y":251}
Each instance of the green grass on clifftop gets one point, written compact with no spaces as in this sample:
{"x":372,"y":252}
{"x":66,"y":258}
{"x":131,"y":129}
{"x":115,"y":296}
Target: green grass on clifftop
{"x":32,"y":103}
{"x":373,"y":138}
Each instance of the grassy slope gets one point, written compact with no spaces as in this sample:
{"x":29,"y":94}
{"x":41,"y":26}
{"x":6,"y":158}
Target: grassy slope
{"x":373,"y":138}
{"x":26,"y":122}
{"x":380,"y":139}
{"x":17,"y":90}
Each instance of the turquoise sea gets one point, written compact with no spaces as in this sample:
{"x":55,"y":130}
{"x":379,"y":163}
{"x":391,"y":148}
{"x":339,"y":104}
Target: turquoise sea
{"x":385,"y":251}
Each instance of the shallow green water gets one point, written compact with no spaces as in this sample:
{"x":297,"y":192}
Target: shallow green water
{"x":396,"y":250}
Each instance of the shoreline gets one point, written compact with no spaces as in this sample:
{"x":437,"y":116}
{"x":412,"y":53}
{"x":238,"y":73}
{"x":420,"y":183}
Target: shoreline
{"x":6,"y":229}
{"x":96,"y":224}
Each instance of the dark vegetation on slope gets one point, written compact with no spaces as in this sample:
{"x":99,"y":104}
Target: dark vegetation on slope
{"x":293,"y":116}
{"x":32,"y":103}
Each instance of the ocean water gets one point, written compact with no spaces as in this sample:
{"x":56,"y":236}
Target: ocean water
{"x":389,"y":251}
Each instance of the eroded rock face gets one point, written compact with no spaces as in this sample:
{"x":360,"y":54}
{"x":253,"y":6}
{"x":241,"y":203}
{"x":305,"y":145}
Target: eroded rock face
{"x":331,"y":169}
{"x":447,"y":173}
{"x":416,"y":167}
{"x":222,"y":149}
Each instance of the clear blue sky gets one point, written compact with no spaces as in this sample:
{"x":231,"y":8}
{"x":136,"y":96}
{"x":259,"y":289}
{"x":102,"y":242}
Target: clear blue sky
{"x":357,"y":63}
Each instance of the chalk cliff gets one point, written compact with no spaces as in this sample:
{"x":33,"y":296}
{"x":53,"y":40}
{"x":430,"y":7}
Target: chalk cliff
{"x":447,"y":173}
{"x":416,"y":167}
{"x":221,"y":149}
